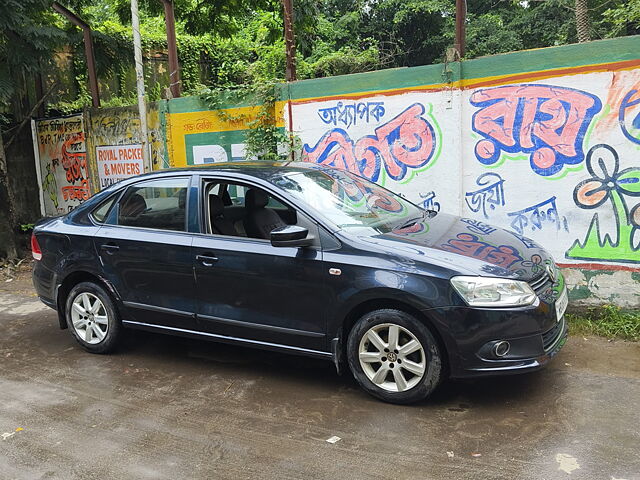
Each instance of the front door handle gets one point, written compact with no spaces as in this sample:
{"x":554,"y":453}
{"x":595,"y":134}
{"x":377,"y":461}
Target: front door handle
{"x":110,"y":248}
{"x":207,"y":260}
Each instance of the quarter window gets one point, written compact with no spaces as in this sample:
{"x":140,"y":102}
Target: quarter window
{"x":159,"y":204}
{"x":100,"y":213}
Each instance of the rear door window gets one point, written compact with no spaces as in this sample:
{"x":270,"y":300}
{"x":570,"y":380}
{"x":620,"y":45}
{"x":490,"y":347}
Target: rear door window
{"x":159,"y":204}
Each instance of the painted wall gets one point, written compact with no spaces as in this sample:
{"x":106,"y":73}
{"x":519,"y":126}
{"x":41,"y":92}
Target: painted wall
{"x":114,"y":144}
{"x":197,"y":135}
{"x":545,"y":143}
{"x":61,"y":163}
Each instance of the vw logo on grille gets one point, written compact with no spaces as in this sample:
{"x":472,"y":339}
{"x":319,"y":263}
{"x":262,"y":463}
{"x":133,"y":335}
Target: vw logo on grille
{"x":551,"y":271}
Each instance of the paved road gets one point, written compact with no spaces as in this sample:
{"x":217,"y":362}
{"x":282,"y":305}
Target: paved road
{"x":167,"y":408}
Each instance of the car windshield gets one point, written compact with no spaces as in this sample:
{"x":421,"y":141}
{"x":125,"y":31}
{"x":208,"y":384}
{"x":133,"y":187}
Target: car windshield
{"x":349,"y":201}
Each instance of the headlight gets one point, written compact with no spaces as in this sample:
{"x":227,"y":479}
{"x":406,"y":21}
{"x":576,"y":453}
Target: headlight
{"x":493,"y":292}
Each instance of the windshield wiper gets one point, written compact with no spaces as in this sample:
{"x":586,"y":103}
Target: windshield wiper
{"x":413,"y":221}
{"x":425,"y":214}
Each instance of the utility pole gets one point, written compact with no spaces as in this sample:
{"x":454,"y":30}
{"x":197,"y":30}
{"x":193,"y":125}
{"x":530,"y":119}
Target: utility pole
{"x":289,"y":39}
{"x":142,"y":106}
{"x":174,"y":72}
{"x":88,"y":49}
{"x":461,"y":16}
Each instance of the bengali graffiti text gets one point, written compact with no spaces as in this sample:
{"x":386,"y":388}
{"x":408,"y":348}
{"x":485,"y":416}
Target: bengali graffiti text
{"x":548,"y":122}
{"x":404,"y":142}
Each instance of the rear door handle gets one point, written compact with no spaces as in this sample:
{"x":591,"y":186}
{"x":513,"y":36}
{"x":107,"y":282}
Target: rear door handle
{"x":110,"y":248}
{"x":207,"y":260}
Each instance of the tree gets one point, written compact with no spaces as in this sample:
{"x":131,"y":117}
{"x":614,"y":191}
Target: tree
{"x":8,"y":246}
{"x":582,"y":21}
{"x":28,"y":36}
{"x":622,"y":18}
{"x":27,"y":39}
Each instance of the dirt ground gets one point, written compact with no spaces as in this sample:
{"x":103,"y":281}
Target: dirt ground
{"x":172,"y":408}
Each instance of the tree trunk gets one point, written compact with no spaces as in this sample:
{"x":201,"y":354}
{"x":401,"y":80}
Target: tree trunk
{"x":8,"y":245}
{"x":582,"y":21}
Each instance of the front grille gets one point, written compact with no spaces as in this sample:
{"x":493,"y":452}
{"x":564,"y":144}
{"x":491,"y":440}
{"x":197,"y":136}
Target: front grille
{"x":551,"y":337}
{"x":541,"y":283}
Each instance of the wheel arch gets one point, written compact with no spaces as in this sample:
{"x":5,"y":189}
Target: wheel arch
{"x":339,"y":347}
{"x":73,"y":279}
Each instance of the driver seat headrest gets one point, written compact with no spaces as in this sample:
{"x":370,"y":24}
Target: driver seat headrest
{"x":255,"y":199}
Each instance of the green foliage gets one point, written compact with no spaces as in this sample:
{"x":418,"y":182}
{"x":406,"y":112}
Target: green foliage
{"x":606,"y":321}
{"x":623,"y":18}
{"x":264,"y":139}
{"x":487,"y":35}
{"x":26,"y":227}
{"x":224,"y":43}
{"x":27,"y":36}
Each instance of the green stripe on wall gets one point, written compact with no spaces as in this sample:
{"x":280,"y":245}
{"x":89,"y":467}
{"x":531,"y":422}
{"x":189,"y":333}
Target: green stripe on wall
{"x":601,"y":51}
{"x":363,"y":82}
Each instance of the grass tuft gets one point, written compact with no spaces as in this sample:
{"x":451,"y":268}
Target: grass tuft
{"x":606,"y":321}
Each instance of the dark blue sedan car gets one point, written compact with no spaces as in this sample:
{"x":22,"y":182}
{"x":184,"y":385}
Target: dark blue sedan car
{"x":307,"y":260}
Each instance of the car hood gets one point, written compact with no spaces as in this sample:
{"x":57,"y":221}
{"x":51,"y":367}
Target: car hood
{"x":465,"y":246}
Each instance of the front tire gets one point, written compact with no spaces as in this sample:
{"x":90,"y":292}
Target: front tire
{"x":394,"y":357}
{"x":92,"y":318}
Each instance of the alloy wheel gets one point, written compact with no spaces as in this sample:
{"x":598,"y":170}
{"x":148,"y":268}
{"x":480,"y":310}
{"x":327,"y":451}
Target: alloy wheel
{"x":392,"y":357}
{"x":89,"y":317}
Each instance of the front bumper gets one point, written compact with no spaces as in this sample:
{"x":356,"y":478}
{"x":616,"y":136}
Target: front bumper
{"x":511,"y":366}
{"x":535,"y":334}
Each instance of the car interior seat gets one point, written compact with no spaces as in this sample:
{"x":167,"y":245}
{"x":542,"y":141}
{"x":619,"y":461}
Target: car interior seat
{"x":219,"y":224}
{"x":260,"y":221}
{"x":134,"y":206}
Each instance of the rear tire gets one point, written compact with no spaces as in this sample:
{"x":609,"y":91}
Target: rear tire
{"x":394,"y":357}
{"x":92,"y":318}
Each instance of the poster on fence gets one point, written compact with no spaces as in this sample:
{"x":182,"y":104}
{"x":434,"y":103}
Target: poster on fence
{"x":61,"y":163}
{"x":117,"y":162}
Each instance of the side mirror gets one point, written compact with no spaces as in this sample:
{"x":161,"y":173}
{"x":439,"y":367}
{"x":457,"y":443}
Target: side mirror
{"x":290,"y":236}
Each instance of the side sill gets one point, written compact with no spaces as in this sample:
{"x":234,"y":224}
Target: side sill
{"x":153,"y":308}
{"x":225,"y":339}
{"x":271,"y":328}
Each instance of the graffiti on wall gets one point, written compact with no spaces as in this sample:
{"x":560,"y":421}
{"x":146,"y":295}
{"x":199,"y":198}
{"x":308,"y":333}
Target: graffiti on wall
{"x":526,"y":151}
{"x":609,"y":186}
{"x":407,"y":141}
{"x":491,"y":193}
{"x":115,"y":127}
{"x":62,"y":161}
{"x":506,"y":155}
{"x":629,"y":115}
{"x":550,"y":124}
{"x":350,"y":113}
{"x":546,"y":121}
{"x":535,"y":217}
{"x":428,"y":201}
